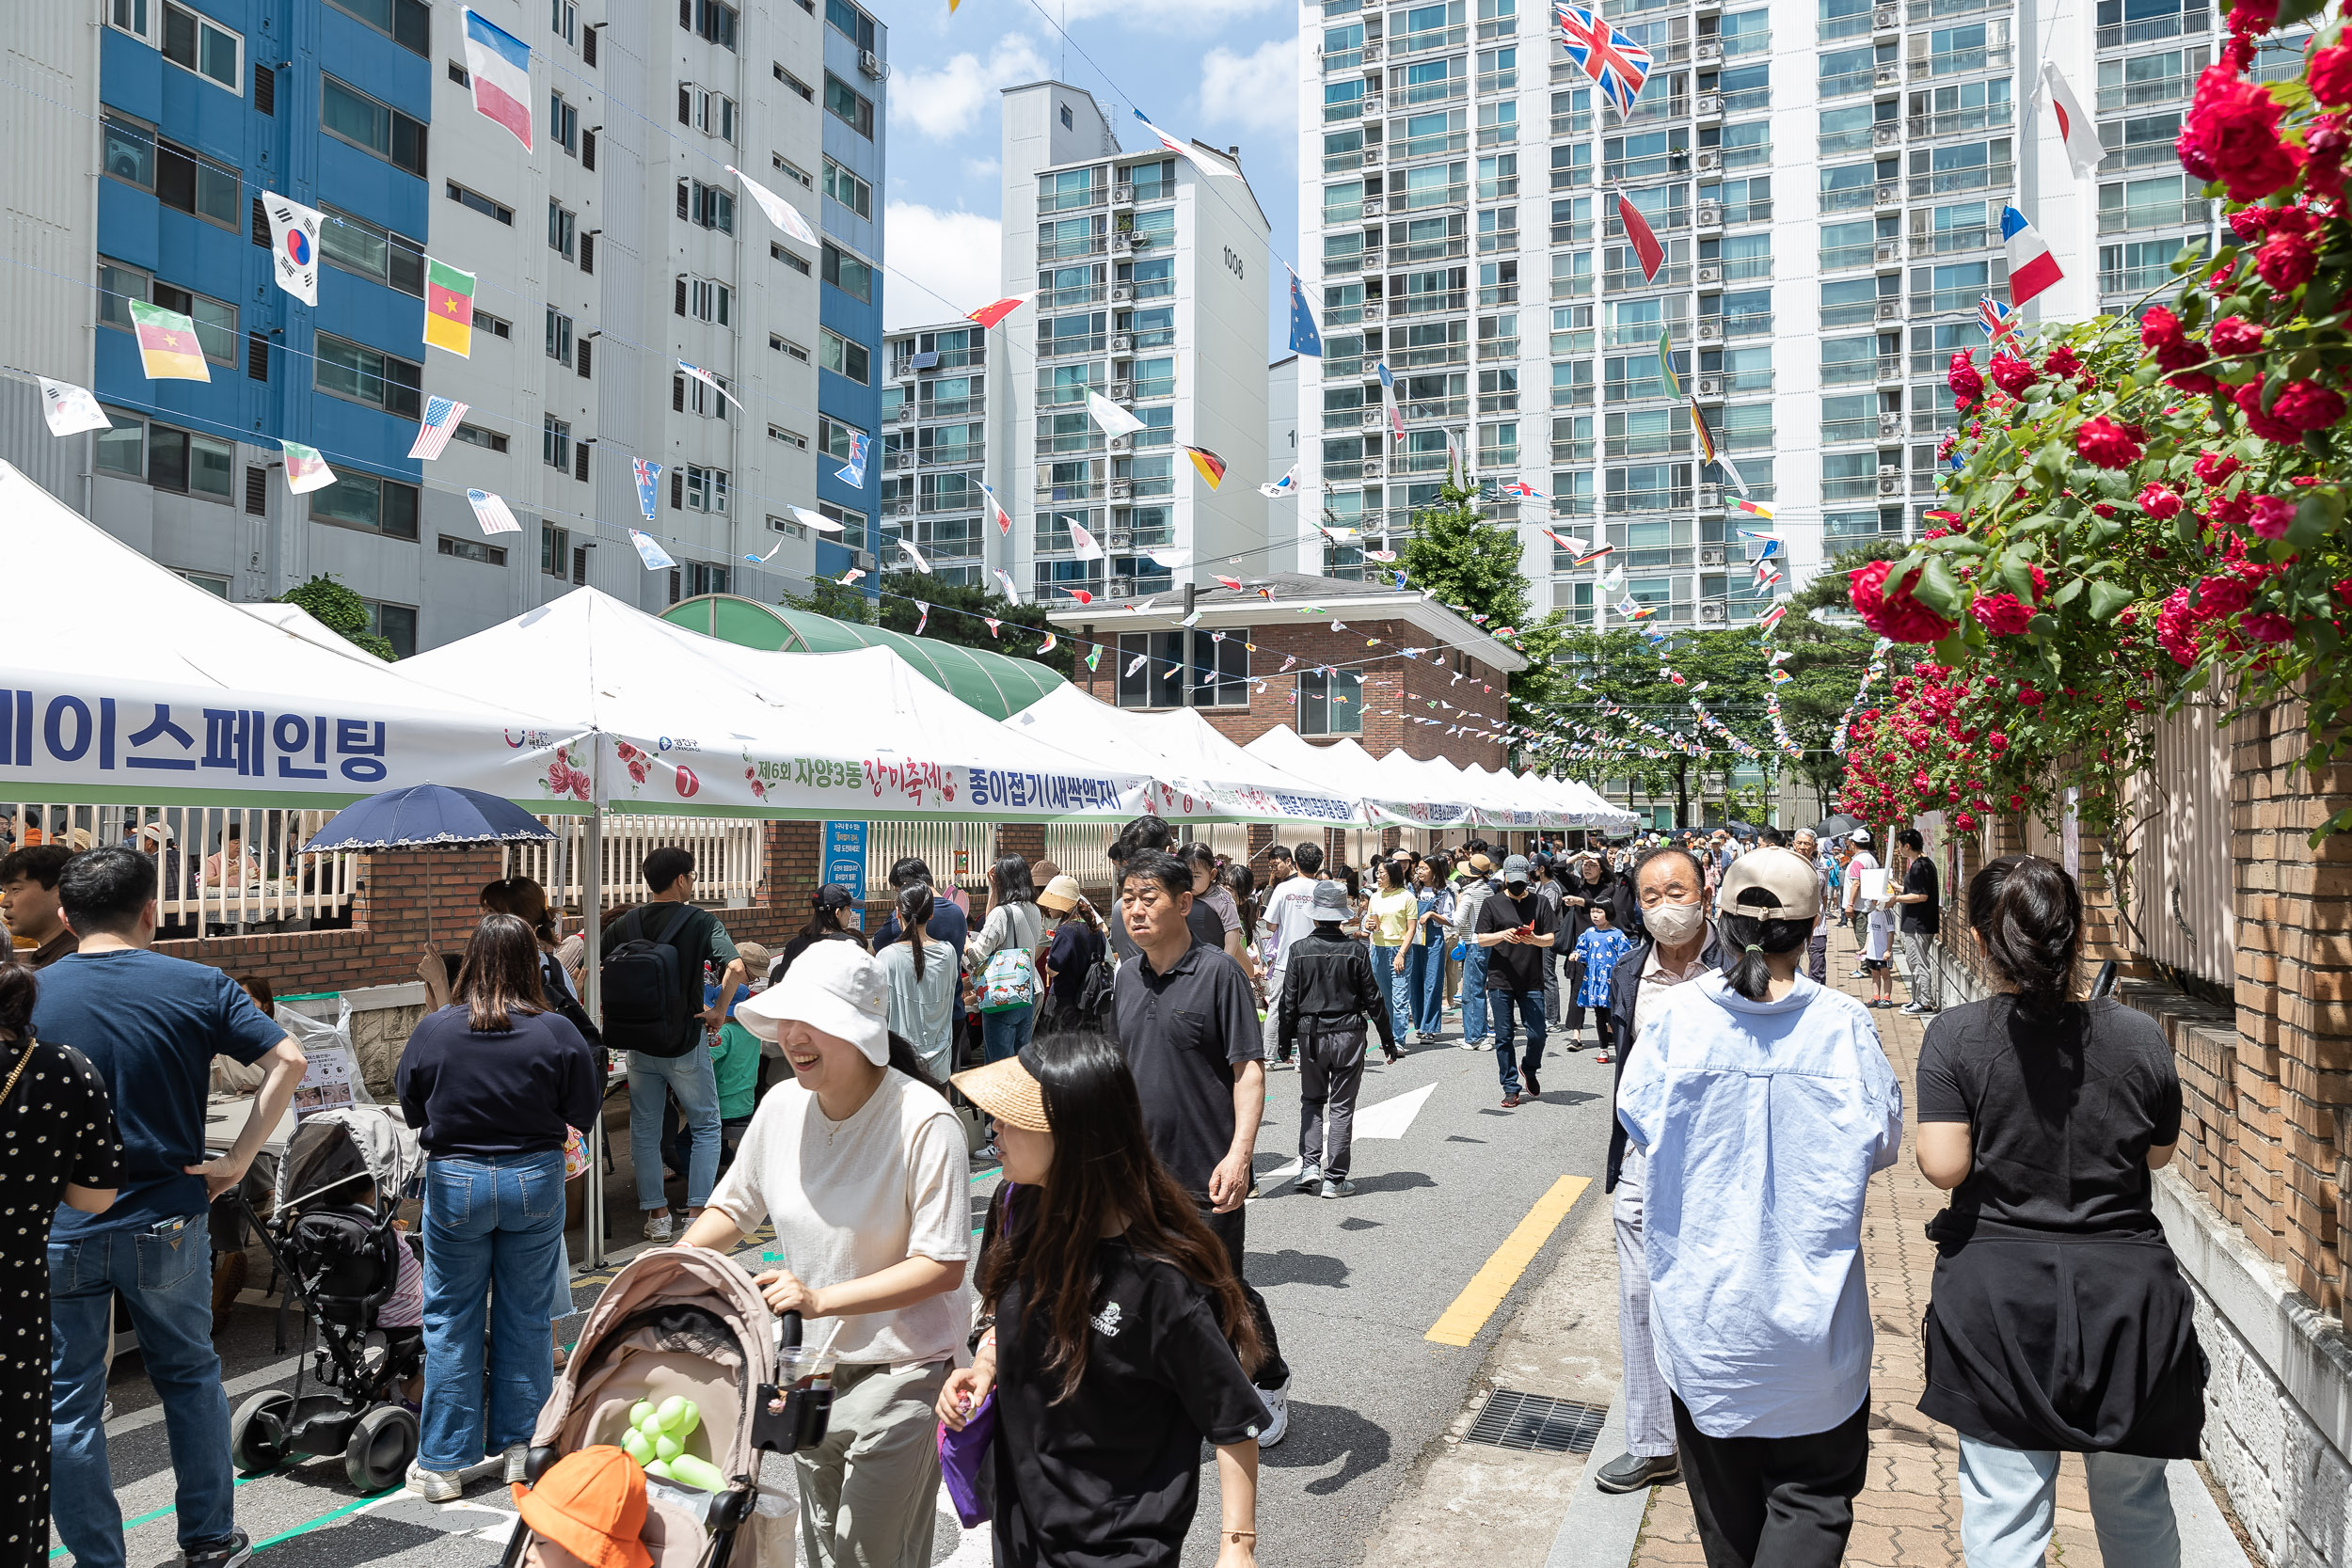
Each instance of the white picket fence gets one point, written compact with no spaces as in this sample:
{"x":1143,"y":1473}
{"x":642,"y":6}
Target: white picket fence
{"x":265,"y":883}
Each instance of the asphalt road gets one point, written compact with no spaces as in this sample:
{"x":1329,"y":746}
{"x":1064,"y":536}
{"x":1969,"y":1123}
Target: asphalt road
{"x":1354,"y":1284}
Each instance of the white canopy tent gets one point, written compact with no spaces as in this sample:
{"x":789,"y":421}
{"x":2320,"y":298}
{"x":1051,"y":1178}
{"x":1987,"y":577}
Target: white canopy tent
{"x":1344,"y":766}
{"x":1202,"y":776}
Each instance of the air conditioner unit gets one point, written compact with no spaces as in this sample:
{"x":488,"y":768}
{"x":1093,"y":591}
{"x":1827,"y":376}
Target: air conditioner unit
{"x":1373,"y":206}
{"x":1708,"y":105}
{"x":1371,"y":259}
{"x":1891,"y":488}
{"x":1710,"y":275}
{"x":1045,"y":476}
{"x":1890,"y":470}
{"x":869,"y":62}
{"x":1711,"y":497}
{"x":1889,"y":193}
{"x":1711,"y":555}
{"x":906,"y":413}
{"x":1887,"y":76}
{"x":1710,"y":214}
{"x":865,"y":560}
{"x":1884,"y":19}
{"x":1889,"y":311}
{"x":1888,"y":252}
{"x":1711,"y":330}
{"x":1122,"y":244}
{"x":1707,"y":50}
{"x":1122,"y":391}
{"x":1711,"y":388}
{"x":1122,"y":443}
{"x":1121,"y":588}
{"x":1123,"y":195}
{"x":1372,"y":310}
{"x":1884,"y":137}
{"x":1121,"y":344}
{"x":1373,"y":105}
{"x":1374,"y":468}
{"x":1372,"y":53}
{"x":1713,"y":609}
{"x":1119,"y":538}
{"x":902,"y":509}
{"x":1374,"y":419}
{"x":1890,"y":427}
{"x":1122,"y":293}
{"x":1122,"y":489}
{"x":1710,"y":159}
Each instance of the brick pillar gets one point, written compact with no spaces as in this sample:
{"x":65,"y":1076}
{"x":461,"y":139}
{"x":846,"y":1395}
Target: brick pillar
{"x":1261,"y":840}
{"x":404,"y":898}
{"x":792,"y":855}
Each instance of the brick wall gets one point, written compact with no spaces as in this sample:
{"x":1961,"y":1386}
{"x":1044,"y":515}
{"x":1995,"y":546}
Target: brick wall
{"x":1391,"y":685}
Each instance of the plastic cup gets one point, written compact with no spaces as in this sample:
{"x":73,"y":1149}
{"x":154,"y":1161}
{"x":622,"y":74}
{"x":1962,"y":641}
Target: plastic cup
{"x":802,"y":1367}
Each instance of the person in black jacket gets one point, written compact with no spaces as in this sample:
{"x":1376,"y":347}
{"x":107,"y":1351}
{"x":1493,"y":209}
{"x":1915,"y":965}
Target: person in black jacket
{"x":1329,"y":988}
{"x":1677,"y":946}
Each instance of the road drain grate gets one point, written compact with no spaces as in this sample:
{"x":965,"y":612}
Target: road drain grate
{"x":1538,"y":1423}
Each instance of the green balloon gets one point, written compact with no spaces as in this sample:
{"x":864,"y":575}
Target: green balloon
{"x":692,"y":1418}
{"x":668,"y":1448}
{"x":638,"y":1412}
{"x":674,"y":1410}
{"x":634,"y":1444}
{"x":658,"y":1468}
{"x":698,"y":1473}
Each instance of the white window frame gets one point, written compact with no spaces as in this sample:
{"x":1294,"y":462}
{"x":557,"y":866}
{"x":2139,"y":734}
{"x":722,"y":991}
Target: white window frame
{"x":710,"y":300}
{"x":837,"y":174}
{"x":791,"y":170}
{"x":706,"y":489}
{"x":837,"y":359}
{"x":149,"y":29}
{"x":235,"y":86}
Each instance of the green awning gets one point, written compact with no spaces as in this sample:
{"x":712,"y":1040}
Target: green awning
{"x":995,"y":684}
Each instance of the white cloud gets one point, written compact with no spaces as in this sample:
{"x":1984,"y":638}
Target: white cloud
{"x":949,"y":102}
{"x":941,"y":264}
{"x":1191,"y":17}
{"x":1258,"y":91}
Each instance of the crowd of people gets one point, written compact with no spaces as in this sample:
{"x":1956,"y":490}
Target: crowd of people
{"x":1118,"y":1059}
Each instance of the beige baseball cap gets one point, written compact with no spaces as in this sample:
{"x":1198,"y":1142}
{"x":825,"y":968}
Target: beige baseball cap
{"x":1771,"y":883}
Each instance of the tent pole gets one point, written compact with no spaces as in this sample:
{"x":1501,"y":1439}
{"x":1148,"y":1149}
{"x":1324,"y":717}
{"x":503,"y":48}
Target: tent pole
{"x":592,"y":930}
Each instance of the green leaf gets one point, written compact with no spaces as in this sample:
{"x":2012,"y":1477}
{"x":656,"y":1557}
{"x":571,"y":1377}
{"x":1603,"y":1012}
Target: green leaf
{"x":2105,"y":599}
{"x":2315,"y":521}
{"x":2017,"y":572}
{"x":2068,"y":594}
{"x":1938,"y":589}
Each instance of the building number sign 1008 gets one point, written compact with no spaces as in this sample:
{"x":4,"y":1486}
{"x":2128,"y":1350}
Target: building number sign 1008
{"x":1233,"y":263}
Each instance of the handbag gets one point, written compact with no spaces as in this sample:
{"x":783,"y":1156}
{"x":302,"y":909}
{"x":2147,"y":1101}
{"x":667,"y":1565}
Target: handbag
{"x":963,"y":1463}
{"x":1009,"y":982}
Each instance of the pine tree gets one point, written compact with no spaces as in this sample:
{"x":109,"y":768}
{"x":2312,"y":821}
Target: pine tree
{"x":341,"y":612}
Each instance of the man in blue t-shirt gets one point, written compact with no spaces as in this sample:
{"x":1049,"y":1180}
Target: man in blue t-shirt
{"x":150,"y":1026}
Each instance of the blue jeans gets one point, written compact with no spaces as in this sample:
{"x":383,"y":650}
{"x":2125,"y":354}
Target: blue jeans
{"x":166,"y":1277}
{"x":1389,"y":968}
{"x":2008,"y":1496}
{"x":1530,"y":1006}
{"x":1474,"y":992}
{"x":1428,"y":968}
{"x":1003,"y":1034}
{"x":691,"y":1079}
{"x":493,"y":1226}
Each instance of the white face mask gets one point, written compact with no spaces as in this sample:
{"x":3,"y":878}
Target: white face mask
{"x":1674,"y":924}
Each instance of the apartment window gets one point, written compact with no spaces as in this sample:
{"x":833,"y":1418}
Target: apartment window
{"x":563,"y":124}
{"x":559,"y":337}
{"x":480,"y":203}
{"x":853,"y":523}
{"x":347,"y":370}
{"x":791,"y":171}
{"x":117,"y":285}
{"x":708,"y":19}
{"x":407,"y":22}
{"x":122,"y":451}
{"x":849,"y":274}
{"x":471,"y":550}
{"x":848,"y":190}
{"x":782,"y":344}
{"x":395,"y":624}
{"x":129,"y":151}
{"x":692,"y":394}
{"x":707,"y":111}
{"x":555,"y":442}
{"x":707,"y":205}
{"x":200,"y":44}
{"x":132,"y":17}
{"x":215,"y":323}
{"x":565,"y":21}
{"x":705,"y":489}
{"x":787,"y":526}
{"x":356,"y":245}
{"x":849,"y":106}
{"x":833,"y":437}
{"x":488,"y":440}
{"x":352,"y":116}
{"x":497,"y":326}
{"x":555,"y":550}
{"x":849,"y":22}
{"x":189,"y":184}
{"x":217,"y":586}
{"x":789,"y":437}
{"x":805,"y":93}
{"x":167,"y":457}
{"x":843,"y":358}
{"x":1333,"y":704}
{"x":460,"y":75}
{"x":562,"y":229}
{"x":363,"y":502}
{"x":797,"y":264}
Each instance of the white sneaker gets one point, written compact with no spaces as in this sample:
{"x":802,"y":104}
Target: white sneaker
{"x":517,"y":1458}
{"x":1309,"y":1177}
{"x":658,"y":1226}
{"x":436,"y":1486}
{"x":1277,"y":1411}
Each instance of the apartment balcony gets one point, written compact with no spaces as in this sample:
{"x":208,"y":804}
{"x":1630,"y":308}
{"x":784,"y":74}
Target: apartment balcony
{"x":1648,"y":111}
{"x":1936,"y":11}
{"x":1498,"y":80}
{"x":1939,"y":302}
{"x":1435,"y":356}
{"x":936,"y":505}
{"x":1419,"y":463}
{"x":1739,"y":383}
{"x":1838,"y":258}
{"x":1434,"y":303}
{"x":1336,"y":214}
{"x":1499,"y":402}
{"x":1746,"y":269}
{"x":1946,"y":242}
{"x":1869,"y":310}
{"x":1572,"y":451}
{"x":1500,"y":242}
{"x":1739,"y":211}
{"x":1657,"y":166}
{"x":1340,"y":60}
{"x":1645,"y":334}
{"x":1674,"y":220}
{"x":1498,"y":294}
{"x":1073,"y":250}
{"x":1067,"y":442}
{"x":1932,"y":422}
{"x":1841,"y":432}
{"x":1715,"y":329}
{"x":2141,"y":154}
{"x":1499,"y":135}
{"x":1407,"y":149}
{"x":1491,"y":349}
{"x":1673,"y":499}
{"x":1671,"y":443}
{"x":2182,"y":24}
{"x":1057,"y":495}
{"x":1961,"y":62}
{"x":1345,"y":163}
{"x":1576,"y":123}
{"x":1670,"y":275}
{"x":1862,"y":372}
{"x":1747,"y":101}
{"x":1575,"y":340}
{"x":951,"y":409}
{"x":1574,"y":231}
{"x":1427,"y":41}
{"x":1073,"y":201}
{"x":1845,"y":84}
{"x":1452,"y":248}
{"x":1492,"y":190}
{"x":1434,"y":408}
{"x":1845,"y":143}
{"x":1436,"y":196}
{"x":897,"y":462}
{"x":1065,"y":348}
{"x":2147,"y":94}
{"x":1063,"y":299}
{"x":2139,"y":280}
{"x":1957,"y":122}
{"x":1499,"y":457}
{"x":1633,"y":391}
{"x":1862,"y":198}
{"x":1574,"y":286}
{"x":1452,"y":90}
{"x":1864,"y":488}
{"x":1952,"y":182}
{"x":2152,"y":215}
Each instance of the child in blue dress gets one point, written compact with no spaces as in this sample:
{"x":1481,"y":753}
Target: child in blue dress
{"x":1599,"y":949}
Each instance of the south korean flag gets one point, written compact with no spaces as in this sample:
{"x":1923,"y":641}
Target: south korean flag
{"x":294,"y":242}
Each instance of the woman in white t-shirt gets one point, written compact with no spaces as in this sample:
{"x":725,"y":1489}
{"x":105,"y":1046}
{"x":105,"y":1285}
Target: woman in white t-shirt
{"x":860,"y":1163}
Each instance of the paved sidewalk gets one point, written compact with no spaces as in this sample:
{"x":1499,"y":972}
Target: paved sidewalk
{"x":1908,"y":1515}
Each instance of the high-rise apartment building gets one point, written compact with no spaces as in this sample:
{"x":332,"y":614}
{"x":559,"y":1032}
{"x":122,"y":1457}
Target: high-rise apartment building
{"x":1150,"y":291}
{"x":1827,"y":180}
{"x":934,"y":449}
{"x":616,"y":245}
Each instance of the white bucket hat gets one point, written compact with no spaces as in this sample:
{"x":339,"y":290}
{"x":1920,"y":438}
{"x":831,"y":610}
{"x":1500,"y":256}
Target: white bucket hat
{"x":833,"y":986}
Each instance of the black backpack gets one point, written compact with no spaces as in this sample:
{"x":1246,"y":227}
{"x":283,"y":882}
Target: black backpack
{"x":644,"y":997}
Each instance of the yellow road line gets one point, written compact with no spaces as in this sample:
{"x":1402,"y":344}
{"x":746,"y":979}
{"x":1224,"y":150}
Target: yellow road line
{"x":1462,"y":1321}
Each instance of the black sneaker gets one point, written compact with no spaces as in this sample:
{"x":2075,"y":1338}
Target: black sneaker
{"x":1534,"y":1089}
{"x":227,"y":1553}
{"x":1631,"y":1473}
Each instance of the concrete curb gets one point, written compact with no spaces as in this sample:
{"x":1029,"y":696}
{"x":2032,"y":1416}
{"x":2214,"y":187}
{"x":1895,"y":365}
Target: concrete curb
{"x":1601,"y":1528}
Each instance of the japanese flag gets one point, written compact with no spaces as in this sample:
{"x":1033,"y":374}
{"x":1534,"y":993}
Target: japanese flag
{"x":2077,"y":131}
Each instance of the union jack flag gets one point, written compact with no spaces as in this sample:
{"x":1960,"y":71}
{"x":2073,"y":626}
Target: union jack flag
{"x":440,"y":423}
{"x":1995,"y":317}
{"x":1524,"y":491}
{"x":1618,"y":63}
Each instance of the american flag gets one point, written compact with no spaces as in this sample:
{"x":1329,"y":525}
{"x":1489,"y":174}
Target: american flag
{"x":1994,"y":317}
{"x":441,"y":424}
{"x":1618,"y":63}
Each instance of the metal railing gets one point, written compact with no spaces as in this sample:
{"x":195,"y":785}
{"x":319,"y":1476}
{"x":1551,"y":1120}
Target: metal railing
{"x":1851,"y":199}
{"x":1649,"y":167}
{"x":1343,"y":418}
{"x":1847,"y":81}
{"x":2151,"y":214}
{"x":1438,"y":92}
{"x":1430,"y":303}
{"x":1937,"y":301}
{"x":1672,"y":275}
{"x":1577,"y":122}
{"x":1575,"y":340}
{"x":1505,"y":134}
{"x":2149,"y":30}
{"x":1498,"y":348}
{"x":1953,"y":123}
{"x":1062,"y":347}
{"x":1498,"y":80}
{"x":1676,"y":107}
{"x":1746,"y":99}
{"x":1341,"y":163}
{"x":1670,"y":442}
{"x":1927,"y":11}
{"x":1085,"y":293}
{"x":1492,"y":241}
{"x":1450,"y":248}
{"x":1957,"y":62}
{"x":1436,"y":146}
{"x":268,"y":886}
{"x":2151,"y":90}
{"x":1348,"y":108}
{"x":1071,"y":201}
{"x":1852,"y":24}
{"x":1862,"y":314}
{"x":1498,"y":294}
{"x":1431,"y":196}
{"x":1071,"y":250}
{"x":1753,"y":210}
{"x":1847,"y":372}
{"x":1742,"y":269}
{"x":1942,"y":241}
{"x":1433,"y":354}
{"x":1843,"y":432}
{"x":1838,"y":143}
{"x":2132,"y":280}
{"x":727,"y":859}
{"x":1428,"y":40}
{"x":1748,"y":325}
{"x":1836,"y":257}
{"x":1645,"y":333}
{"x":1341,"y":59}
{"x":1337,"y":213}
{"x":1977,"y":177}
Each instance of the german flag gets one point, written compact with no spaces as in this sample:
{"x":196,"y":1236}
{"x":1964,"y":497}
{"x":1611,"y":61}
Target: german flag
{"x":1211,"y":467}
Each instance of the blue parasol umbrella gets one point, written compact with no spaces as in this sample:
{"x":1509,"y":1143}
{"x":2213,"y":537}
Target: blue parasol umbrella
{"x":425,"y":816}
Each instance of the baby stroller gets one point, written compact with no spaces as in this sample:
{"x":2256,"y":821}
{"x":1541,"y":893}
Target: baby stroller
{"x":338,"y":1255}
{"x":687,"y":1321}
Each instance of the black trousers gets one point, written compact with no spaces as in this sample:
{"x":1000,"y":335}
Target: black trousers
{"x":1227,"y":1229}
{"x":1774,"y":1502}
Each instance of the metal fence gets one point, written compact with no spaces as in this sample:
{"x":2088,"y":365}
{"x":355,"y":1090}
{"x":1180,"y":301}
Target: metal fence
{"x":726,"y":850}
{"x":218,"y":869}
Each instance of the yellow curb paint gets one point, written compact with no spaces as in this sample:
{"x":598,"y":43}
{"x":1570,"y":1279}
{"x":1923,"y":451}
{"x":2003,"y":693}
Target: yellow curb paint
{"x":1461,"y":1322}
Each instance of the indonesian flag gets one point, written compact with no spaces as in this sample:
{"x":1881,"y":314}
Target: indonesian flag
{"x":2077,"y":134}
{"x":1233,"y":584}
{"x":500,"y":64}
{"x":1637,"y":234}
{"x":1200,"y":157}
{"x":2031,"y":267}
{"x":989,"y":315}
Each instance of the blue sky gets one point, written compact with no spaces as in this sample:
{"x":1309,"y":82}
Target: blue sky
{"x":1223,"y":71}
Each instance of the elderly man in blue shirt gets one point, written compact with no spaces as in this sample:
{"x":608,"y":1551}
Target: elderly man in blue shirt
{"x":1763,"y":1104}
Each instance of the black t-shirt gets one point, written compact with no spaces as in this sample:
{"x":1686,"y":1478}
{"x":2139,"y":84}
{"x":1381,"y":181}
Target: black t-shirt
{"x":1924,"y":918}
{"x":2061,"y":1114}
{"x":515,"y":1091}
{"x":1516,"y":966}
{"x":1183,"y":1032}
{"x":1109,"y":1478}
{"x":1077,"y":948}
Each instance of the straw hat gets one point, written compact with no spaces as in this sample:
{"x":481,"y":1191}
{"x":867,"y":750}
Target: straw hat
{"x":1005,"y":1090}
{"x":591,"y":1503}
{"x":1061,"y":895}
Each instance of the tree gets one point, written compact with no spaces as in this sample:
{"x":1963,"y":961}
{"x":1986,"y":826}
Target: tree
{"x":828,"y":597}
{"x":341,"y":612}
{"x":1464,"y":560}
{"x":956,"y":616}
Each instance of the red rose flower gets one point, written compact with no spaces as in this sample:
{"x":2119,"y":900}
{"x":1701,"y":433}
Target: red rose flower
{"x":2253,"y":18}
{"x":1895,"y":614}
{"x":2308,"y":404}
{"x":2196,"y":383}
{"x":2101,"y":442}
{"x":2176,"y":629}
{"x":2159,"y":503}
{"x":2029,"y":696}
{"x":2272,"y":514}
{"x":2264,"y":425}
{"x":2234,"y":335}
{"x":1967,"y":385}
{"x":2228,"y":512}
{"x":1964,"y":822}
{"x":2002,"y":614}
{"x":2214,"y":467}
{"x":2061,"y":364}
{"x":2160,"y":333}
{"x":2011,"y":374}
{"x":2231,"y":133}
{"x":2286,"y":261}
{"x":2266,"y":628}
{"x":2326,"y":141}
{"x":2221,"y":596}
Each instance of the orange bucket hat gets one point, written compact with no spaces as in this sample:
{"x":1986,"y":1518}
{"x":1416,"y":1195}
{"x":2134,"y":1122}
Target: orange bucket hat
{"x":591,"y":1503}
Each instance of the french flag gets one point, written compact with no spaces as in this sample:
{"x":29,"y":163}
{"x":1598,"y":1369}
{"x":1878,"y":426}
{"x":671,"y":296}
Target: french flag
{"x":2031,"y":267}
{"x":501,"y":66}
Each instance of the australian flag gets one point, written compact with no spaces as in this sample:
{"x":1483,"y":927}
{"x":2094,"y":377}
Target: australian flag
{"x":1618,"y":63}
{"x":1305,"y":339}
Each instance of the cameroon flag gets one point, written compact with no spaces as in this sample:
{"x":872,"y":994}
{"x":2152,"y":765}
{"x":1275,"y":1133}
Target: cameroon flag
{"x":448,"y":307}
{"x":1211,"y":467}
{"x":168,"y":350}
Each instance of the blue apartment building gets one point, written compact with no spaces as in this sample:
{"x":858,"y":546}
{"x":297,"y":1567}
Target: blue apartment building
{"x":849,"y":308}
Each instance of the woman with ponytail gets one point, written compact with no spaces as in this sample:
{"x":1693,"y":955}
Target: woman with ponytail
{"x":1763,"y":1104}
{"x":2058,"y":1320}
{"x":922,"y":971}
